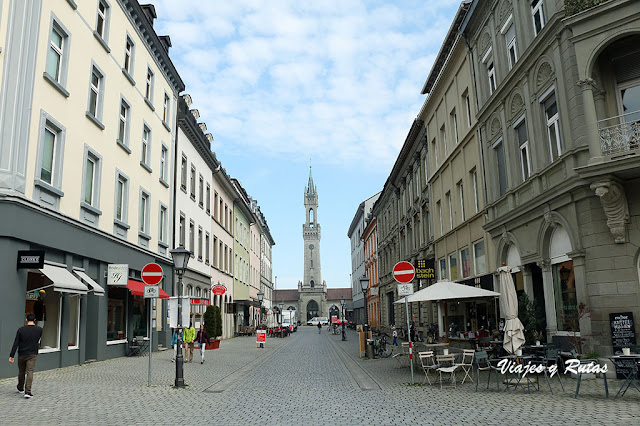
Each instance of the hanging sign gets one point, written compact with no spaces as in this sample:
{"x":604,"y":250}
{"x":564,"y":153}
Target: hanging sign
{"x":30,"y":259}
{"x":426,"y":269}
{"x":218,"y":289}
{"x":117,"y":274}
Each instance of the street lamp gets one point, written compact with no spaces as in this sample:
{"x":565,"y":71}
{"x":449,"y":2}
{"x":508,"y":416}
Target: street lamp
{"x":281,"y":305}
{"x":364,"y":283}
{"x":260,"y":297}
{"x":342,"y":305}
{"x":181,"y":258}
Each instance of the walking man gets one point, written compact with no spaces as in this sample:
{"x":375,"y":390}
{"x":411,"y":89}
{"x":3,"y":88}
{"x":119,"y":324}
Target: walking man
{"x":202,"y":338}
{"x":319,"y":327}
{"x":188,"y":335}
{"x":26,"y":343}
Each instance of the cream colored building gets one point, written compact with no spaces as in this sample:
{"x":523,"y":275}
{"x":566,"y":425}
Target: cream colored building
{"x":87,"y":106}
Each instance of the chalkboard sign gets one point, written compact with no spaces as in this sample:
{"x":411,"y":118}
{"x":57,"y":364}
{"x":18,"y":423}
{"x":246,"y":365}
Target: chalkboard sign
{"x":623,"y":335}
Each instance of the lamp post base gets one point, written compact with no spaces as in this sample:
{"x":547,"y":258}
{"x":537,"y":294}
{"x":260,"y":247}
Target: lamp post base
{"x":179,"y":382}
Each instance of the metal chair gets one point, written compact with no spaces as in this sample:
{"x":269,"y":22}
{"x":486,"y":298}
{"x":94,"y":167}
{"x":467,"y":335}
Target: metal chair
{"x":428,"y":364}
{"x":467,"y":364}
{"x":447,"y":365}
{"x":484,"y":364}
{"x":550,"y":359}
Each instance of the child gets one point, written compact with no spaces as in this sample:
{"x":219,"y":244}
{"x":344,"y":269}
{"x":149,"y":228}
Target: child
{"x":395,"y":336}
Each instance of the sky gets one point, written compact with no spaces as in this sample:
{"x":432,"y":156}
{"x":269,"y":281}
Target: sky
{"x":283,"y":85}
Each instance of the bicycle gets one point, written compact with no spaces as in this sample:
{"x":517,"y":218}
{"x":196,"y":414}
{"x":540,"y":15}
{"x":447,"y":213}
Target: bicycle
{"x":381,"y":346}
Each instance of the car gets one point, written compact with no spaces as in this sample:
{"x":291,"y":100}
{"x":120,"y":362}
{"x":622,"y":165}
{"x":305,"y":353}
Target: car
{"x":313,"y":321}
{"x":323,"y":320}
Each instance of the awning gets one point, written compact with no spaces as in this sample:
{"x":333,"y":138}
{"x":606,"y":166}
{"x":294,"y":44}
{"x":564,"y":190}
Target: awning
{"x":63,"y":280}
{"x":137,"y":289}
{"x":97,"y":289}
{"x":447,"y":290}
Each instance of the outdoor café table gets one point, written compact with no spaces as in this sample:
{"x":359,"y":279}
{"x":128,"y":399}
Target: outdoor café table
{"x":631,"y":377}
{"x":519,"y":359}
{"x":434,"y":346}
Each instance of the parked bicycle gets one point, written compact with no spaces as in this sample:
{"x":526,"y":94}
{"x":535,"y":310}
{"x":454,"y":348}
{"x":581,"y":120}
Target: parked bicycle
{"x":381,"y":346}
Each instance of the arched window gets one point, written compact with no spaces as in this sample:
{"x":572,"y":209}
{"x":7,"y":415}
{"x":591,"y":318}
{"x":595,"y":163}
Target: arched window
{"x":312,"y":283}
{"x":311,"y":216}
{"x":564,"y":283}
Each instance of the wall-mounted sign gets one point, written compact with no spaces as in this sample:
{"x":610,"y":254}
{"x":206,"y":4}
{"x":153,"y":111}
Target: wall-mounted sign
{"x":199,"y":301}
{"x":218,"y":289}
{"x":426,"y":269}
{"x":117,"y":274}
{"x":30,"y":259}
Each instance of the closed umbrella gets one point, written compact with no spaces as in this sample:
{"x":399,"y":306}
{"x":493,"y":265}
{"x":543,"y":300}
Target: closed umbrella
{"x":513,"y":328}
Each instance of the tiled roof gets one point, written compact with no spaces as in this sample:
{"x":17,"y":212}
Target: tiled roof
{"x":285,"y":296}
{"x":339,"y":293}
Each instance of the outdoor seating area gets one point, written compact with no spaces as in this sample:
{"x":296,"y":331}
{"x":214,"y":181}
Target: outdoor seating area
{"x":246,"y":330}
{"x":139,"y":345}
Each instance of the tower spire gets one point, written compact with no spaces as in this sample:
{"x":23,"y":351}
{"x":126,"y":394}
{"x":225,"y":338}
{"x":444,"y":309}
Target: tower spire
{"x":311,"y":188}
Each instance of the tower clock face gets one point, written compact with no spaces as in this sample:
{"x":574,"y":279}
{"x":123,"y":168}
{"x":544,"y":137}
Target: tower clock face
{"x":311,"y":246}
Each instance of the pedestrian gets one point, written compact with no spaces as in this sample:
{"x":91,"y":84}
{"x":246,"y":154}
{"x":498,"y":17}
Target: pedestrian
{"x":412,"y":331}
{"x":174,"y":344}
{"x":202,"y":338}
{"x":319,"y":327}
{"x":188,"y":335}
{"x":395,"y":336}
{"x":26,"y":343}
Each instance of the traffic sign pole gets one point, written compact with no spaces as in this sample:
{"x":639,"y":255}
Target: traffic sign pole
{"x":404,"y":272}
{"x":150,"y":339}
{"x":406,"y":305}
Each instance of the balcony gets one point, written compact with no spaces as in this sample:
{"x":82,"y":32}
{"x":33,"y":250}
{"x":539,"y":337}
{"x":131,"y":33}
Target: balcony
{"x":620,"y":135}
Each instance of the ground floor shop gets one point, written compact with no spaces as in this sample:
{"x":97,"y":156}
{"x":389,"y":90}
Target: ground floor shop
{"x":82,"y":317}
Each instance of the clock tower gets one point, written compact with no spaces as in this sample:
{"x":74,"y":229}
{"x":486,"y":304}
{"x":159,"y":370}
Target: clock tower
{"x":311,"y":237}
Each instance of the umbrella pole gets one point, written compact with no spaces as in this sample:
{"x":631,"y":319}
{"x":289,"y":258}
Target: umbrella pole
{"x":446,"y":322}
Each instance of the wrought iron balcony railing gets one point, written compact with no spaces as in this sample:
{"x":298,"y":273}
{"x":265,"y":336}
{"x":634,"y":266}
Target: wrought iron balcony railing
{"x":621,"y":137}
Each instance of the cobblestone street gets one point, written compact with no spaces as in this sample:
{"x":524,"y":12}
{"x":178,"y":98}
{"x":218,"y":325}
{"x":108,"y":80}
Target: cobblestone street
{"x":304,"y":379}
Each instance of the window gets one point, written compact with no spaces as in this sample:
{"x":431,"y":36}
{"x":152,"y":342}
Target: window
{"x":101,"y":23}
{"x":523,"y":143}
{"x":553,"y":126}
{"x":465,"y":263}
{"x":206,"y":248}
{"x":461,"y":192}
{"x":475,"y":191}
{"x":162,"y":224}
{"x":200,"y":243}
{"x":454,"y":123}
{"x":128,"y":55}
{"x":565,"y":294}
{"x":146,"y":142}
{"x":124,"y":122}
{"x":478,"y":258}
{"x":73,"y":308}
{"x":208,"y":198}
{"x":91,"y":181}
{"x":96,"y":95}
{"x":165,"y":109}
{"x":509,"y":32}
{"x":440,"y":216}
{"x":122,"y":197}
{"x":502,"y":171}
{"x":143,"y":214}
{"x":448,"y":195}
{"x":215,"y":261}
{"x":443,"y":137}
{"x":453,"y":267}
{"x":467,"y":102}
{"x":192,"y":231}
{"x":48,"y":166}
{"x":491,"y":73}
{"x":193,"y":182}
{"x":149,"y":88}
{"x":58,"y":56}
{"x":537,"y":12}
{"x":215,"y":205}
{"x":164,"y":163}
{"x":201,"y":191}
{"x":182,"y":229}
{"x":183,"y":173}
{"x":434,"y":146}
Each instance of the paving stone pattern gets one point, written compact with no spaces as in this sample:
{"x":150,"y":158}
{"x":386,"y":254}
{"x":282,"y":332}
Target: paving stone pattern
{"x":303,"y":379}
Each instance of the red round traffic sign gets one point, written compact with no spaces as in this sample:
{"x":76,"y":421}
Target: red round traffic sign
{"x":218,"y":289}
{"x":404,"y":272}
{"x":152,"y":274}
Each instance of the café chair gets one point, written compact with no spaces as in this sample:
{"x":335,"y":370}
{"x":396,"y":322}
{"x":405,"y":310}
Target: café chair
{"x":447,"y":366}
{"x":550,"y":358}
{"x":428,"y":364}
{"x":484,"y":364}
{"x":466,"y":364}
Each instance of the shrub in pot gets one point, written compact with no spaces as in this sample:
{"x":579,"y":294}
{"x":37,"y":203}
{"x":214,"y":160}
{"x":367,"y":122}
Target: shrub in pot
{"x":213,"y":325}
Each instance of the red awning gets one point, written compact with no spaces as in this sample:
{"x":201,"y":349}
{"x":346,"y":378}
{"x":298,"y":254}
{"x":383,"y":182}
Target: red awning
{"x":137,"y":289}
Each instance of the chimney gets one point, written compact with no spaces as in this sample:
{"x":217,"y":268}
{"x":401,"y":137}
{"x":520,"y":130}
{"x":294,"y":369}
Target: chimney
{"x":150,"y":11}
{"x":166,"y":42}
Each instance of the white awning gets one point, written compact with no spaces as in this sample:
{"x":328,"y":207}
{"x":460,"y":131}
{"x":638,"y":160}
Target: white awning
{"x":97,"y":289}
{"x":63,"y":280}
{"x":447,"y":290}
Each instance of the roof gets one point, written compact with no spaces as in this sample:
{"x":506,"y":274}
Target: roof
{"x":284,"y":296}
{"x":339,"y":293}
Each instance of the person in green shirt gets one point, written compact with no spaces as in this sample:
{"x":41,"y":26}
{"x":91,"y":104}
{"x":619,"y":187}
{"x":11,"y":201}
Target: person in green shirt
{"x":189,"y":335}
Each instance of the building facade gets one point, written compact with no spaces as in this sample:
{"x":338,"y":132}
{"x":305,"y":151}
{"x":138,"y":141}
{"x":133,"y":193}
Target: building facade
{"x":88,"y":168}
{"x":370,"y":239}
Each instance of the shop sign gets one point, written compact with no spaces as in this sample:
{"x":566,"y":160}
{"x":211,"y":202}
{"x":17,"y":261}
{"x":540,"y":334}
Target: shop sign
{"x":218,"y":289}
{"x":117,"y":274}
{"x":32,"y":295}
{"x":426,"y":269}
{"x":623,"y":335}
{"x":199,"y":301}
{"x":30,"y":259}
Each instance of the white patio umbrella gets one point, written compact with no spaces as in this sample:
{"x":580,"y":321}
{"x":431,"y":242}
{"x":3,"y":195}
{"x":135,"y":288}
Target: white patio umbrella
{"x":513,"y":328}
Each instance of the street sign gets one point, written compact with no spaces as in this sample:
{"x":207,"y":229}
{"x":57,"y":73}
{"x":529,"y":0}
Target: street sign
{"x":151,"y":291}
{"x":405,"y":289}
{"x":218,"y":289}
{"x":117,"y":274}
{"x":152,"y":274}
{"x":404,"y":272}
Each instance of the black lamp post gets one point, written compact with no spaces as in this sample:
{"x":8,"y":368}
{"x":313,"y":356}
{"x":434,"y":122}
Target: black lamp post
{"x":344,"y":337}
{"x":181,"y":258}
{"x":281,"y":305}
{"x":260,"y":297}
{"x":364,"y":283}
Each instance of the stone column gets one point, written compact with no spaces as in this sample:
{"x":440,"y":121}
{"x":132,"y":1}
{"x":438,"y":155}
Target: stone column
{"x":588,"y":86}
{"x":549,"y":298}
{"x":580,"y":273}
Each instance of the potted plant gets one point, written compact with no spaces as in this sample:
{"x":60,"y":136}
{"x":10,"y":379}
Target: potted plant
{"x":213,"y":326}
{"x":537,"y":335}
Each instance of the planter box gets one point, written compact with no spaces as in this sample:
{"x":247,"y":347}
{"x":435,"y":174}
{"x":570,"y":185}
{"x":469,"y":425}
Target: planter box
{"x":215,"y":344}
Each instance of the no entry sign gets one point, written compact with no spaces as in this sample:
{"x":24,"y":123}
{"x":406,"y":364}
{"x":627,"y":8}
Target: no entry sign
{"x":404,"y":272}
{"x":152,"y":274}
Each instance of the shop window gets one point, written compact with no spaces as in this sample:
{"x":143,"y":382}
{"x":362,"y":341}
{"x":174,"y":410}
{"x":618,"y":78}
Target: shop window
{"x":116,"y":313}
{"x":139,"y":317}
{"x":45,"y":304}
{"x":74,"y":322}
{"x":564,"y":285}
